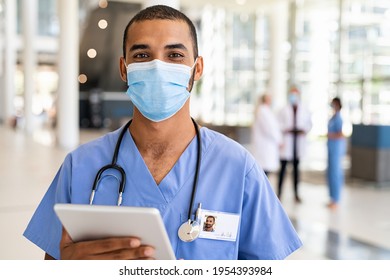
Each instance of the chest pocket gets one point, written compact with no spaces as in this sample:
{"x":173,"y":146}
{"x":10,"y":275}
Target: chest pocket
{"x":206,"y":249}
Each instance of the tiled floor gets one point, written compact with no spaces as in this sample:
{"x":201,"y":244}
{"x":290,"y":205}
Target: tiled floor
{"x":359,"y":229}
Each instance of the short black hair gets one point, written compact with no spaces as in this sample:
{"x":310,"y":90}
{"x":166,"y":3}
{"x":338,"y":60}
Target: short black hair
{"x":211,"y":217}
{"x":337,"y":100}
{"x":162,"y":12}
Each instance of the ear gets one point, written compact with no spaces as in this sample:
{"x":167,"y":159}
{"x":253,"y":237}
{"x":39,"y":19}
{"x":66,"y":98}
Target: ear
{"x":122,"y":69}
{"x":198,"y":68}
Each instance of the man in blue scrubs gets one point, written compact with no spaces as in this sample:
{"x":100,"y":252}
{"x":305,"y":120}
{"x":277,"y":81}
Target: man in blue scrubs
{"x":159,"y":155}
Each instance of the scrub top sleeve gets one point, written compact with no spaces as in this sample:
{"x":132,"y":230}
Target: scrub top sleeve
{"x":44,"y":228}
{"x":266,"y":231}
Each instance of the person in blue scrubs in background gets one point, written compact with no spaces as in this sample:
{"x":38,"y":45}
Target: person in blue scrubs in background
{"x":159,"y":155}
{"x":336,"y":151}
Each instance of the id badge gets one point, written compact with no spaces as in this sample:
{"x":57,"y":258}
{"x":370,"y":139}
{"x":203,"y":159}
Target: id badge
{"x":219,"y":225}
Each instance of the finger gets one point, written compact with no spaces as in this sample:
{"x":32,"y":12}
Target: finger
{"x":145,"y":252}
{"x":103,"y":246}
{"x":67,"y":246}
{"x":140,"y":253}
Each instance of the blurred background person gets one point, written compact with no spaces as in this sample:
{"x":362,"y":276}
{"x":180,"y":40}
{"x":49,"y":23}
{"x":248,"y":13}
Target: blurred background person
{"x":336,"y":151}
{"x":295,"y":122}
{"x":266,"y":135}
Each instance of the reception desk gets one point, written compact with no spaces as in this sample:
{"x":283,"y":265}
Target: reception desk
{"x":370,"y":152}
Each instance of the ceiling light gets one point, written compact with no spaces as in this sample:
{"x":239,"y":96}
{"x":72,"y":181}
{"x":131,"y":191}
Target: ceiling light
{"x":102,"y":24}
{"x":103,"y":4}
{"x":91,"y":53}
{"x":82,"y":78}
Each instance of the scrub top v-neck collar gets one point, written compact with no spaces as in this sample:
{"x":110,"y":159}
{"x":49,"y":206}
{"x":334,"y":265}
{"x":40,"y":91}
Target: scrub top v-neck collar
{"x":139,"y":177}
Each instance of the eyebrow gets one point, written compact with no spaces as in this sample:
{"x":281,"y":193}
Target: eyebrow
{"x":176,"y":46}
{"x":170,"y":47}
{"x":139,"y":47}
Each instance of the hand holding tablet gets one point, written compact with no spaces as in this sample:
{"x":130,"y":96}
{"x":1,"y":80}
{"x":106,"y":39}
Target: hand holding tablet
{"x":94,"y":222}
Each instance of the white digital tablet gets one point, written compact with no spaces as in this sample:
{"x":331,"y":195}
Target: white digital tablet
{"x":89,"y":222}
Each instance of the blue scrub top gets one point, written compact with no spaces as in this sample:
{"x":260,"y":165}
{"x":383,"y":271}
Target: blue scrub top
{"x":335,"y":125}
{"x":229,"y":181}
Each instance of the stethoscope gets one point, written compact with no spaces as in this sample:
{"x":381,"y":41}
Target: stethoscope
{"x":189,"y":230}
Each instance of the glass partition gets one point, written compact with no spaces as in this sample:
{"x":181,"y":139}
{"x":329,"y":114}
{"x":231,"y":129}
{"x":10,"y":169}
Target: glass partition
{"x":342,"y":48}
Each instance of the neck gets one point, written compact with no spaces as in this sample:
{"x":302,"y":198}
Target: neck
{"x":161,"y":144}
{"x":171,"y":134}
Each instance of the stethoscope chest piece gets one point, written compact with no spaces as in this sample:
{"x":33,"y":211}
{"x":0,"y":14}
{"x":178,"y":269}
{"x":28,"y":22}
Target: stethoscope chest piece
{"x":189,"y":231}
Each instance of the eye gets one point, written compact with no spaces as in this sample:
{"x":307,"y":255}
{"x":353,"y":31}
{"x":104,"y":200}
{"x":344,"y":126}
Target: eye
{"x":140,"y":56}
{"x":176,"y":56}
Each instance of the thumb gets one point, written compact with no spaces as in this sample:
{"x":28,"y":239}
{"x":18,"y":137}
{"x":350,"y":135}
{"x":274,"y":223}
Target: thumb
{"x":66,"y":239}
{"x":66,"y":244}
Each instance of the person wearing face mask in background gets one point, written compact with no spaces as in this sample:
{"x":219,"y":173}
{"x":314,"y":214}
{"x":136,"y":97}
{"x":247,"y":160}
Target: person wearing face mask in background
{"x":159,"y":154}
{"x":295,"y":122}
{"x":336,"y":150}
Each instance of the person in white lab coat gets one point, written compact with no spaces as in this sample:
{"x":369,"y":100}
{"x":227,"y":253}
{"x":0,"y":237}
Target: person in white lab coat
{"x":266,"y":136}
{"x":295,"y":122}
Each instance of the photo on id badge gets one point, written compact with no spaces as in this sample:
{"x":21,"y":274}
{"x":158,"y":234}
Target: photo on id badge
{"x":219,"y":225}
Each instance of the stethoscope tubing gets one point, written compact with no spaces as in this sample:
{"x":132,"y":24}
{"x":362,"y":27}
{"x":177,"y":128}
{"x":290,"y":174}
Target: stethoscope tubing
{"x":122,"y":184}
{"x":197,"y":168}
{"x":113,"y":165}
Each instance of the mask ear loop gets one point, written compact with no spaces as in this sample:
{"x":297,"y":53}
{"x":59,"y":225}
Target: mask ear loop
{"x":124,"y":62}
{"x":193,"y":75}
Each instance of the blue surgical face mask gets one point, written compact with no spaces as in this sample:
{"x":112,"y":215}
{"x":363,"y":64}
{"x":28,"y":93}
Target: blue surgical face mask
{"x":293,"y":99}
{"x":158,"y":89}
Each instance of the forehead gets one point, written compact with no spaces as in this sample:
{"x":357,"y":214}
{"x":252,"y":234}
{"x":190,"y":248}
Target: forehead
{"x":158,"y":33}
